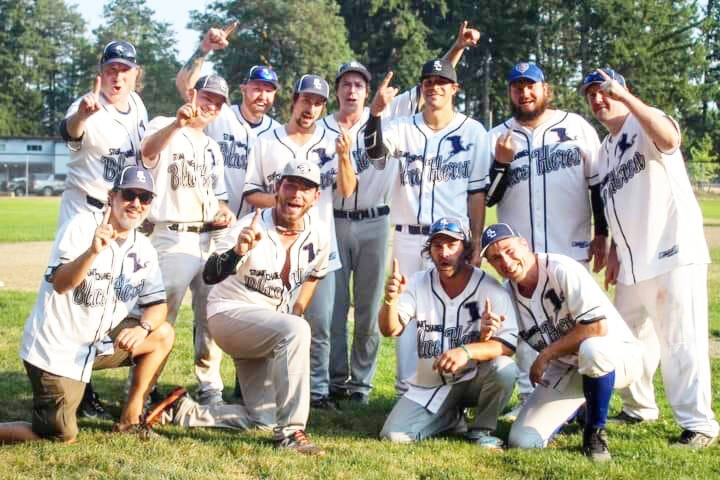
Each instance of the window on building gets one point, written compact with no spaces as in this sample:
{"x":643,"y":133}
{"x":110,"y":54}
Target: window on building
{"x":34,"y":148}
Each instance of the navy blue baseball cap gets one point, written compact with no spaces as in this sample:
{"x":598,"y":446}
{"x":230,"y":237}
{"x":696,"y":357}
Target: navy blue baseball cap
{"x":439,"y":68}
{"x":353,"y":66}
{"x":494,"y":233}
{"x":214,"y":84}
{"x":594,"y":77}
{"x":135,"y":177}
{"x":313,"y":84}
{"x":118,"y":51}
{"x":528,"y":71}
{"x":450,"y":226}
{"x":263,"y":73}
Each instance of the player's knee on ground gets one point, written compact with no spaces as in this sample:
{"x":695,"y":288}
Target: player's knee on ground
{"x":595,"y":357}
{"x":165,"y":336}
{"x":505,"y":373}
{"x":525,"y":437}
{"x":398,"y":437}
{"x":58,"y":424}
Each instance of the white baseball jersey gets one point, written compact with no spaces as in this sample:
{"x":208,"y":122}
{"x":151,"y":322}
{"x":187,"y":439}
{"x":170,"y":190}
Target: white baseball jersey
{"x":64,"y":331}
{"x":404,"y":105}
{"x":435,"y":171}
{"x":111,"y":142}
{"x":653,"y":215}
{"x":257,"y":278}
{"x":189,"y":177}
{"x":444,"y":323}
{"x":565,"y":295}
{"x":548,"y":199}
{"x":271,"y":153}
{"x":266,"y":125}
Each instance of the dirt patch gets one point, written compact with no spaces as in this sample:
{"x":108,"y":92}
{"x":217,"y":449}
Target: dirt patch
{"x":23,"y":264}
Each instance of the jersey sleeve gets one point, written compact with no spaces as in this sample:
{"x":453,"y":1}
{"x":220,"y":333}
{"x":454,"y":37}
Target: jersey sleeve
{"x":590,"y":149}
{"x":479,"y":180}
{"x":407,"y":304}
{"x":154,"y":126}
{"x":582,"y":294}
{"x":153,"y":291}
{"x":403,"y":105}
{"x":254,"y":178}
{"x":74,"y":238}
{"x":646,"y":145}
{"x":74,"y":146}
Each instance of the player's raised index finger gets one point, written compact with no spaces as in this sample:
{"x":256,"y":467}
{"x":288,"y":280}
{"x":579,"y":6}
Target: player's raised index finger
{"x":96,"y":87}
{"x":386,"y":80}
{"x":230,"y":28}
{"x":396,"y":266}
{"x":602,"y":73}
{"x":256,"y":219}
{"x":193,"y":100}
{"x":463,"y":27}
{"x":488,"y":306}
{"x":106,"y":216}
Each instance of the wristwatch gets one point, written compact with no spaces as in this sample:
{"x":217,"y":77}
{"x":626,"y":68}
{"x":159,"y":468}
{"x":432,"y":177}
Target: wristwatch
{"x":146,"y":326}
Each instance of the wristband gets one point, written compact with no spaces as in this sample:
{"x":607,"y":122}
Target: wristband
{"x":146,"y":326}
{"x":467,"y":351}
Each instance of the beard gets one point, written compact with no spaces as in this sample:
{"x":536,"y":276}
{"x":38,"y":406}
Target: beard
{"x":523,"y":116}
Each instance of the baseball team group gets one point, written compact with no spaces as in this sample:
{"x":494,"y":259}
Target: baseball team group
{"x":277,"y":230}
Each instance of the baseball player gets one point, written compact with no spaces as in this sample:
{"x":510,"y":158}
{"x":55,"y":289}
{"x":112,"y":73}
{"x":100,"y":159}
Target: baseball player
{"x":191,"y":192}
{"x":99,"y":270}
{"x":103,"y":130}
{"x":545,"y":182}
{"x":658,"y":256}
{"x":585,"y":349}
{"x":265,"y":270}
{"x":362,"y":227}
{"x":236,"y":127}
{"x":440,"y":162}
{"x":303,"y":139}
{"x":460,"y":364}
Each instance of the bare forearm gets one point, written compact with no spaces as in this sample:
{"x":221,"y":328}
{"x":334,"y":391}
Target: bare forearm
{"x":155,"y":315}
{"x":190,"y":72}
{"x":346,"y":179}
{"x":75,"y":125}
{"x":70,"y":275}
{"x":484,"y":351}
{"x":307,"y":289}
{"x":476,"y":208}
{"x":261,"y":199}
{"x":389,"y":321}
{"x":454,"y":55}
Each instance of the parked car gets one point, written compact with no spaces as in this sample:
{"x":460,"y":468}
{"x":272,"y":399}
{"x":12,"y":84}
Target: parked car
{"x":17,"y":185}
{"x":47,"y":184}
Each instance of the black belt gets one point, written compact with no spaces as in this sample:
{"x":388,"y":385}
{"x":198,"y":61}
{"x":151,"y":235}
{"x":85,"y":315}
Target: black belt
{"x":95,"y":202}
{"x":208,"y":227}
{"x":362,"y":214}
{"x":414,"y":229}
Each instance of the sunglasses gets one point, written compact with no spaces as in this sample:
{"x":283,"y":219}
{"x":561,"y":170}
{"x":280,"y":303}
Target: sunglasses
{"x":131,"y":195}
{"x":262,"y":73}
{"x":447,"y":224}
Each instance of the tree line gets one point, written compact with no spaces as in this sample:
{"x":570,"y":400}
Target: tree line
{"x":669,"y":52}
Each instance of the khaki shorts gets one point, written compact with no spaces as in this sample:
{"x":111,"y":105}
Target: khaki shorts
{"x":56,"y":398}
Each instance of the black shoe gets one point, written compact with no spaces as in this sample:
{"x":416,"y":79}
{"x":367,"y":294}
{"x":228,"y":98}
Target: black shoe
{"x":237,"y":393}
{"x":595,"y":445}
{"x":623,"y":418}
{"x":90,"y":407}
{"x":359,"y":398}
{"x":325,"y":403}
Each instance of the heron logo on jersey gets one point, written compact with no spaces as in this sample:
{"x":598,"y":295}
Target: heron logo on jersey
{"x":136,"y":263}
{"x":623,"y":145}
{"x":621,"y":175}
{"x":562,"y":135}
{"x":323,"y":156}
{"x":234,"y":152}
{"x":362,"y":161}
{"x":457,"y":146}
{"x":114,"y":162}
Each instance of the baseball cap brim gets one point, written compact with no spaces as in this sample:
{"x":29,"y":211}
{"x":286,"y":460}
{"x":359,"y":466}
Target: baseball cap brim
{"x":219,"y":93}
{"x":121,"y":60}
{"x":500,"y":231}
{"x":365,"y":74}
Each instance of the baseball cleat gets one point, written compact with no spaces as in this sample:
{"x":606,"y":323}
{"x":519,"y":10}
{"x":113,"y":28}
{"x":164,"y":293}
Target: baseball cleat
{"x":299,"y":442}
{"x":690,"y":439}
{"x":155,"y":414}
{"x":90,"y":407}
{"x":624,"y":418}
{"x":595,"y":445}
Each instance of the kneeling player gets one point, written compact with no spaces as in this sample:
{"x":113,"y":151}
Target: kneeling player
{"x":460,"y":362}
{"x":585,"y":348}
{"x":266,"y":270}
{"x":79,"y":322}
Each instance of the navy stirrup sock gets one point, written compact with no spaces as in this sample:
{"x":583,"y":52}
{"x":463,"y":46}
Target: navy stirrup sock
{"x":597,"y":399}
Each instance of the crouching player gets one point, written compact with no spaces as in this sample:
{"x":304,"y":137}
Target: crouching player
{"x":585,"y":348}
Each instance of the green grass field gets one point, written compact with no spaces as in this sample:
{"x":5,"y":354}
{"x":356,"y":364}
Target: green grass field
{"x":349,"y":436}
{"x":28,"y":218}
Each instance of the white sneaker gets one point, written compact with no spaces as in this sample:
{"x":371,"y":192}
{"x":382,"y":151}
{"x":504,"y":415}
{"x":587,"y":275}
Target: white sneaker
{"x":484,"y":438}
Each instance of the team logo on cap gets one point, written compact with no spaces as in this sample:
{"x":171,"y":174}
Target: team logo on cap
{"x":301,"y":168}
{"x":522,"y":67}
{"x":316,"y":83}
{"x":140,"y":175}
{"x":490,"y":233}
{"x":437,"y":66}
